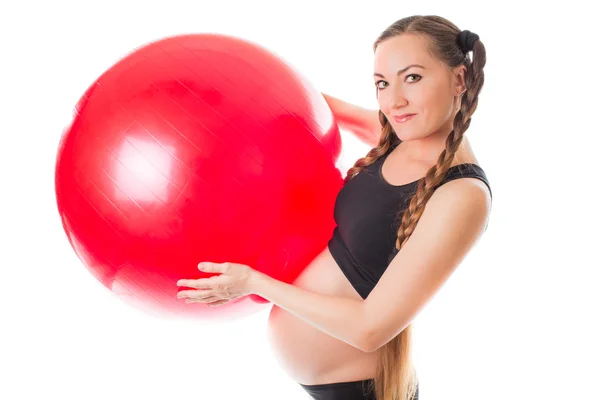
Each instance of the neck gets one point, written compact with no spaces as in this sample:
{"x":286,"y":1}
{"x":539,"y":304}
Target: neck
{"x":427,"y":150}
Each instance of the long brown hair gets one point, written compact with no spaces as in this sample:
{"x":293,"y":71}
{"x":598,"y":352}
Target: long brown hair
{"x":396,"y":377}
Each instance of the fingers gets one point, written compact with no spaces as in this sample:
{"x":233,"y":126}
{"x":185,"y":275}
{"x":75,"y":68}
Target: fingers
{"x":197,"y":294}
{"x":215,"y":290}
{"x":210,"y":300}
{"x":211,"y":267}
{"x":203,"y":283}
{"x":218,"y":303}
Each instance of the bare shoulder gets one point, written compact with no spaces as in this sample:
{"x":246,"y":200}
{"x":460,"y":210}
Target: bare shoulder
{"x":463,"y":193}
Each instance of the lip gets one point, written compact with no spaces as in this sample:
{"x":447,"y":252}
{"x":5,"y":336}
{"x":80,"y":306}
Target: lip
{"x":398,"y":118}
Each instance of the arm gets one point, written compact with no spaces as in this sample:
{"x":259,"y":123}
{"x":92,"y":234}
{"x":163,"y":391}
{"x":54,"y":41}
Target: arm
{"x":454,"y":218}
{"x":452,"y":222}
{"x":362,"y":122}
{"x":340,"y":317}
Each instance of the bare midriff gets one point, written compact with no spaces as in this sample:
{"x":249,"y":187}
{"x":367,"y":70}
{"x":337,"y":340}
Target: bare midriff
{"x":308,"y":355}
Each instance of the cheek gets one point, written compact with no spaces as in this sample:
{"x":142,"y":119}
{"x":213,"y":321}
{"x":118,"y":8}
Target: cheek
{"x":384,"y":106}
{"x":438,"y":105}
{"x":446,"y":107}
{"x":382,"y":101}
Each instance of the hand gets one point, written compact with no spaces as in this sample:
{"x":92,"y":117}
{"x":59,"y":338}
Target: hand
{"x":360,"y":121}
{"x":235,"y":281}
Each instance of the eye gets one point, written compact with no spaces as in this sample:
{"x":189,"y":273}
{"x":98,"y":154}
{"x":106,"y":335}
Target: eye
{"x":380,"y":87}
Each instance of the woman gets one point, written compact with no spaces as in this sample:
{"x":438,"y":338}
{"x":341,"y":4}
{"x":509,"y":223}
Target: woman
{"x":408,"y":213}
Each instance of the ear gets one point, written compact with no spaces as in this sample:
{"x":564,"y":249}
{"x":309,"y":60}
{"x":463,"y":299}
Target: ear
{"x":459,"y":80}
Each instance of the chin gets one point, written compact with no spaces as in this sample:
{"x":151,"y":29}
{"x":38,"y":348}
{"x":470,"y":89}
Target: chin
{"x":407,"y":136}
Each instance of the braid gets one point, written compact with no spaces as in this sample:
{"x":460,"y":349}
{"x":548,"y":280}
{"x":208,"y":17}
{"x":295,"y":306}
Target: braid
{"x":436,"y":174}
{"x":386,"y":142}
{"x":395,"y":377}
{"x":474,"y":78}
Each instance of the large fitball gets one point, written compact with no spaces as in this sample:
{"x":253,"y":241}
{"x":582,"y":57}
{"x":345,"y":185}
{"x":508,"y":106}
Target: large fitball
{"x":197,"y":148}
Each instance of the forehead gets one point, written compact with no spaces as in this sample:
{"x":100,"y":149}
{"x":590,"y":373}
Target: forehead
{"x":400,"y":51}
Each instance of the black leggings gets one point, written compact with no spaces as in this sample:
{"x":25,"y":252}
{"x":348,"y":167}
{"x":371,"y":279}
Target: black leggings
{"x":357,"y":390}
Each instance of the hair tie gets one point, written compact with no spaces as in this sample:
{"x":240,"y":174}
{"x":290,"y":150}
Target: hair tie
{"x":466,"y":40}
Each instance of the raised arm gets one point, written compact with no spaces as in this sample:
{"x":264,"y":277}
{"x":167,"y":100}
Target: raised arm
{"x":361,"y":122}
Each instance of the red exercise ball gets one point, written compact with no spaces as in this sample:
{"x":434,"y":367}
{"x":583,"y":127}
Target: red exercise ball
{"x":197,"y":148}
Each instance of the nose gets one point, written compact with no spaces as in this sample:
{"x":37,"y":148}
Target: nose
{"x":395,"y":97}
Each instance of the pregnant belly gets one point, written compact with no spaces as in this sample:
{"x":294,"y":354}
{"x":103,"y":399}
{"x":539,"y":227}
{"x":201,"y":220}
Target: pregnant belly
{"x":308,"y":355}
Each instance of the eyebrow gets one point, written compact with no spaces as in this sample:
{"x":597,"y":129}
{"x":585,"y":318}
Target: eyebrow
{"x":402,"y":70}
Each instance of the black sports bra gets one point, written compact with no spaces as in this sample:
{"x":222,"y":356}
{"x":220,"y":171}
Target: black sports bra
{"x":367,"y":216}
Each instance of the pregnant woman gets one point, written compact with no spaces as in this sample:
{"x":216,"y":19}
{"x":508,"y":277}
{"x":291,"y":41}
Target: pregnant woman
{"x":408,"y":214}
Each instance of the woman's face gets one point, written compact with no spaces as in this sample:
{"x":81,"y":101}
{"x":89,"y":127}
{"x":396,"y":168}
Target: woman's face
{"x":427,"y":90}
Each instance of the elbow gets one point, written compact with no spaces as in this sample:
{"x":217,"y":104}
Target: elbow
{"x":368,"y":342}
{"x":367,"y":331}
{"x":369,"y":347}
{"x":375,"y":339}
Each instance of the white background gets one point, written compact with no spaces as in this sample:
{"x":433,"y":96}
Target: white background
{"x":516,"y":321}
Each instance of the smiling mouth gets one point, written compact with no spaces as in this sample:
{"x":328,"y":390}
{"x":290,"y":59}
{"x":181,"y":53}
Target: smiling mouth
{"x":404,"y":119}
